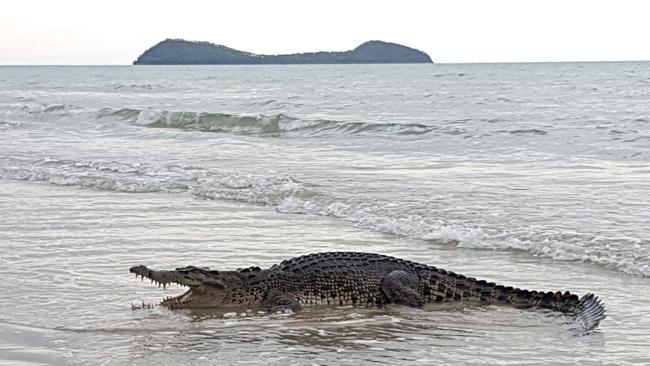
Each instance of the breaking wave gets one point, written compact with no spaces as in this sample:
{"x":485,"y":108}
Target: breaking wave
{"x":291,"y":196}
{"x":266,"y":125}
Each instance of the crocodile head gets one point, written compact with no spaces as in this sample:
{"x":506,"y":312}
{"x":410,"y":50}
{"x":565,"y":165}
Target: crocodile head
{"x":207,"y":288}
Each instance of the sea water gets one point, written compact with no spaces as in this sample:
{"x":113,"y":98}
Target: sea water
{"x":531,"y":175}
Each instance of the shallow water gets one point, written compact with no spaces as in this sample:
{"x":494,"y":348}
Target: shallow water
{"x":532,"y":175}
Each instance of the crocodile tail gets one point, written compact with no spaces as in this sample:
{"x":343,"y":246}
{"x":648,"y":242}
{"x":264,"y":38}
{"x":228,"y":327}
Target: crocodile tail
{"x":588,"y":311}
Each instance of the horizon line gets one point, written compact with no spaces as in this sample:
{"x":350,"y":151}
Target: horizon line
{"x":432,"y":63}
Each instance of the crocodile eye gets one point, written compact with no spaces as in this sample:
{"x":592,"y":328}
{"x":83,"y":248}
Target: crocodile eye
{"x":186,"y":269}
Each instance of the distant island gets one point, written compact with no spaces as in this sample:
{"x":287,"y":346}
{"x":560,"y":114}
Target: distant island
{"x":182,"y":52}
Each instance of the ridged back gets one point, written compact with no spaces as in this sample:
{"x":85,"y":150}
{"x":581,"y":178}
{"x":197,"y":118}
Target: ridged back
{"x":356,"y":276}
{"x":347,"y":261}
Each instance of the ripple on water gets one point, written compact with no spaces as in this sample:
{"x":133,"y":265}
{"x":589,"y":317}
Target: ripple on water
{"x":483,"y":173}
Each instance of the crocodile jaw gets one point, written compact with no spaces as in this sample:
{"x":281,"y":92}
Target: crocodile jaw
{"x":204,"y":291}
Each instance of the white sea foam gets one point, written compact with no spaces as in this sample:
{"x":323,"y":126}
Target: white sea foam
{"x":290,"y":196}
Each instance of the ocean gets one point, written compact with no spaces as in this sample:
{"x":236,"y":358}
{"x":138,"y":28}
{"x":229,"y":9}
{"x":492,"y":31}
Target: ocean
{"x":531,"y":175}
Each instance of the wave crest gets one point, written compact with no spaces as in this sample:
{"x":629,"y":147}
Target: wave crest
{"x":266,"y":125}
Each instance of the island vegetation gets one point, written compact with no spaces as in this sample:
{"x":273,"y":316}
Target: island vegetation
{"x":182,"y":52}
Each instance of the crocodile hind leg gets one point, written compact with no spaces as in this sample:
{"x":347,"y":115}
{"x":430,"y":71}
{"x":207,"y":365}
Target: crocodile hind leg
{"x":400,"y":287}
{"x":278,"y":301}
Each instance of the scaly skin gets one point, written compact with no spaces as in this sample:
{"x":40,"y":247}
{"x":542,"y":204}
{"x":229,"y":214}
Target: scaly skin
{"x":359,"y":279}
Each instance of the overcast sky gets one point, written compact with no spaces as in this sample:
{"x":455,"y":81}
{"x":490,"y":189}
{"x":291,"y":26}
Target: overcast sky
{"x":117,"y":31}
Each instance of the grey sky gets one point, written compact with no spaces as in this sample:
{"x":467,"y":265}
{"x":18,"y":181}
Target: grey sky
{"x":117,"y":31}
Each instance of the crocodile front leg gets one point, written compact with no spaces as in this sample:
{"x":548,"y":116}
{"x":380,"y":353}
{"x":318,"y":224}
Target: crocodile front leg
{"x":400,"y":287}
{"x":278,"y":301}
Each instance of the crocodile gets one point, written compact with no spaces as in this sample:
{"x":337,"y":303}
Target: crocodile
{"x":358,"y":279}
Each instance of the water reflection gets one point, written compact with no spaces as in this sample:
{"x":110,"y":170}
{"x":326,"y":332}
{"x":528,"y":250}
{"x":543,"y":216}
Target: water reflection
{"x":362,"y":335}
